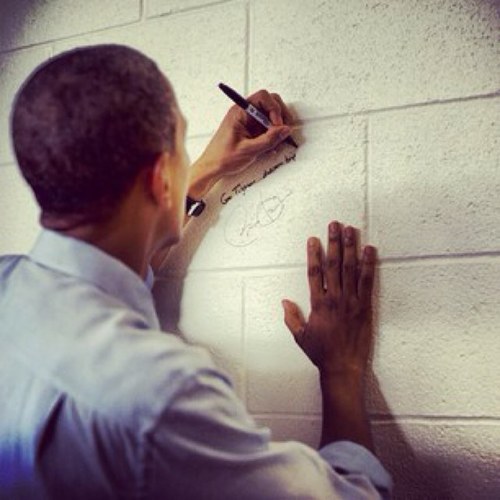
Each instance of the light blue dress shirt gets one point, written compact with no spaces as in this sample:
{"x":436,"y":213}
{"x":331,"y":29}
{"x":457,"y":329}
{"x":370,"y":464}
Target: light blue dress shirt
{"x":98,"y":403}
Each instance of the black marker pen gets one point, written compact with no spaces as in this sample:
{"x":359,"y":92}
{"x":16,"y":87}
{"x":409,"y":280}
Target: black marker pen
{"x":251,"y":110}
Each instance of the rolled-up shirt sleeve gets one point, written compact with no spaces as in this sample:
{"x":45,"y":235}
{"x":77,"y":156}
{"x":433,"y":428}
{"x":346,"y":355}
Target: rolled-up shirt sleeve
{"x":206,"y":445}
{"x":349,"y":459}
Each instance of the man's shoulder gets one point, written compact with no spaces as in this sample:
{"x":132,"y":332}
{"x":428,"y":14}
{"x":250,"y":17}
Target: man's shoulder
{"x":92,"y":347}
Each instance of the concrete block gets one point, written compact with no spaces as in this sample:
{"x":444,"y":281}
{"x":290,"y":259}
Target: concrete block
{"x":336,"y":56}
{"x":206,"y":309}
{"x":264,"y":216}
{"x":438,"y":460}
{"x":280,"y":378}
{"x":306,"y":430}
{"x":19,"y":220}
{"x":165,"y":7}
{"x":26,"y":22}
{"x":14,"y":69}
{"x":213,"y":51}
{"x":437,"y":349}
{"x":434,"y":179}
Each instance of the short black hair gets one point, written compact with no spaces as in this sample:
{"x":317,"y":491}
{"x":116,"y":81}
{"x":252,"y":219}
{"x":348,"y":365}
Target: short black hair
{"x":86,"y":122}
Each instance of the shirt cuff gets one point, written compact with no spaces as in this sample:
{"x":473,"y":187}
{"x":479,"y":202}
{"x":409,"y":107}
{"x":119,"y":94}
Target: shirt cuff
{"x":354,"y":458}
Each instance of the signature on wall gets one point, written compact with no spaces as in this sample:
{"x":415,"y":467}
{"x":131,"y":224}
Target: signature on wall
{"x":244,"y":224}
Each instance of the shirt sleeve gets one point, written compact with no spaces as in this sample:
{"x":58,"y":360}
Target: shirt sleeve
{"x":348,"y":458}
{"x":207,"y":446}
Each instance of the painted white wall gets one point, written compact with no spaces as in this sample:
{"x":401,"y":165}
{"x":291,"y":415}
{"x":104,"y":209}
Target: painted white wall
{"x":400,"y":105}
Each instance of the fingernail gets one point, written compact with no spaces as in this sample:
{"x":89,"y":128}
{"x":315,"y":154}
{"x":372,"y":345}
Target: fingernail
{"x":349,"y":236}
{"x":369,"y":253}
{"x":334,"y":229}
{"x":310,"y":242}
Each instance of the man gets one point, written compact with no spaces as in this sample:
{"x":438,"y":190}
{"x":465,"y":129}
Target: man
{"x":96,"y":401}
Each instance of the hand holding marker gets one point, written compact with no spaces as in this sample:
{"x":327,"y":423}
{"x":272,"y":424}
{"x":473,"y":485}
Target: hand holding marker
{"x":251,"y":110}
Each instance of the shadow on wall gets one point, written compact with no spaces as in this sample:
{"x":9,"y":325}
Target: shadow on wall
{"x":173,"y":271}
{"x":427,"y":465}
{"x":9,"y":31}
{"x":431,"y":461}
{"x":175,"y":264}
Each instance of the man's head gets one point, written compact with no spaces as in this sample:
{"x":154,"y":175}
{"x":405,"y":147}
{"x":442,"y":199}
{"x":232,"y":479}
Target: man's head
{"x":86,"y":123}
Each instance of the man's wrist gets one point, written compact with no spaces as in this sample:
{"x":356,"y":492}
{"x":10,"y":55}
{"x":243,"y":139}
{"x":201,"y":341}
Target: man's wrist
{"x":203,"y":177}
{"x":344,"y":411}
{"x":349,"y":393}
{"x":353,"y":379}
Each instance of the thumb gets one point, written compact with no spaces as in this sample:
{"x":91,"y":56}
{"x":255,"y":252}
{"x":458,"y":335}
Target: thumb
{"x":294,"y":319}
{"x":268,"y":140}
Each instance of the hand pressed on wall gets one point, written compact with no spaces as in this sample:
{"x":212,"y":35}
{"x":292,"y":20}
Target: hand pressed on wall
{"x":337,"y":336}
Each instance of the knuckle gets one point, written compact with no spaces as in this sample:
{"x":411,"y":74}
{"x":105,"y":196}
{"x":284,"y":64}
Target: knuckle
{"x":274,"y":102}
{"x":334,"y":238}
{"x":314,"y":250}
{"x":349,"y":268}
{"x":234,"y":111}
{"x":332,"y":263}
{"x":348,"y":242}
{"x":314,"y":271}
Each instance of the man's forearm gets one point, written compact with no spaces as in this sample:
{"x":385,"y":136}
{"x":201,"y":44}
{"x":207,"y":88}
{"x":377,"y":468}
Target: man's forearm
{"x":202,"y":177}
{"x":344,"y":412}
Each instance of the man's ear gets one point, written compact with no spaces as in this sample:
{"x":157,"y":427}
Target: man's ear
{"x":158,"y":181}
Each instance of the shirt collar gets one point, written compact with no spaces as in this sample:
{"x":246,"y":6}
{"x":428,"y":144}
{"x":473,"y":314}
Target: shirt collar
{"x":89,"y":263}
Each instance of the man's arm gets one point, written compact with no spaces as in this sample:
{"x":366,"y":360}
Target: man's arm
{"x":238,"y":142}
{"x":338,"y":334}
{"x":207,"y":446}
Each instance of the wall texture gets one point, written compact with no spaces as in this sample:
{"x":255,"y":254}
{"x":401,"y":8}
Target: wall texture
{"x":399,"y":103}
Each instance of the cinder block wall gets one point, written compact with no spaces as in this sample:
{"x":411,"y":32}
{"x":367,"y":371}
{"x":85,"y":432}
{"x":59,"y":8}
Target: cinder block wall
{"x":400,"y":104}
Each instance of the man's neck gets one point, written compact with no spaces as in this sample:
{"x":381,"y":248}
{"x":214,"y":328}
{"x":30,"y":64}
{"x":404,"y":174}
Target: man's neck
{"x":109,"y":235}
